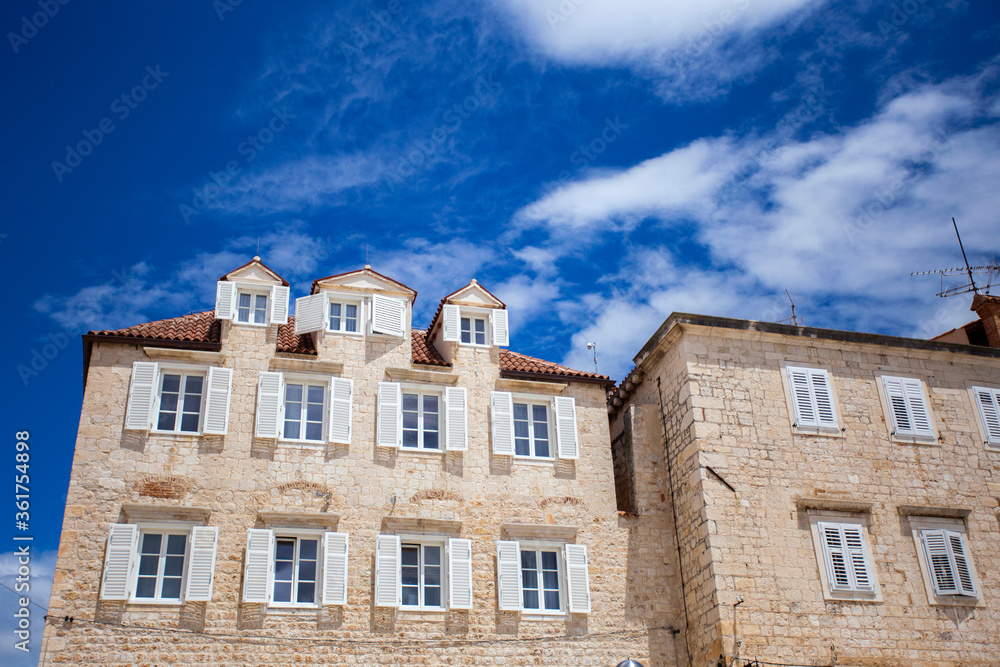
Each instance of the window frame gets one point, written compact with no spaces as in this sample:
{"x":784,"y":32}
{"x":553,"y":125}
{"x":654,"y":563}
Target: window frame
{"x":538,"y":547}
{"x":298,"y":536}
{"x":919,"y":524}
{"x":890,"y":415}
{"x":550,"y":425}
{"x":421,"y":391}
{"x":253,"y":292}
{"x":184,"y":372}
{"x":163,"y":529}
{"x":305,"y":381}
{"x":423,"y":541}
{"x":990,"y":442}
{"x":344,"y":301}
{"x":836,"y":430}
{"x":472,"y":316}
{"x":823,"y":562}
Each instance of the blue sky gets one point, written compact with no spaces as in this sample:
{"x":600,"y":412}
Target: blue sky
{"x":598,"y":165}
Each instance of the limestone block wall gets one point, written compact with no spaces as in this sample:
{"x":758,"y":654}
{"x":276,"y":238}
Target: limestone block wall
{"x":238,"y":476}
{"x":755,"y":539}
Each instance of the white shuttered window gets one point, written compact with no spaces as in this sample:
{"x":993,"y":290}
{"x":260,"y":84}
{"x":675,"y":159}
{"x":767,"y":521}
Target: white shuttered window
{"x":847,"y":557}
{"x":141,"y":395}
{"x":459,"y":573}
{"x":812,"y":397}
{"x":949,"y":562}
{"x":988,"y":405}
{"x":341,"y":409}
{"x":388,"y":589}
{"x":502,"y":419}
{"x":389,"y":420}
{"x":218,"y":393}
{"x":335,"y":560}
{"x":911,"y":415}
{"x":388,"y":316}
{"x":456,"y":419}
{"x":270,"y":390}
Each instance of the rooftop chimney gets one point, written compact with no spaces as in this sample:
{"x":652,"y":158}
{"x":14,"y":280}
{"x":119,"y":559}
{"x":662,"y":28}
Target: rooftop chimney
{"x":988,"y":309}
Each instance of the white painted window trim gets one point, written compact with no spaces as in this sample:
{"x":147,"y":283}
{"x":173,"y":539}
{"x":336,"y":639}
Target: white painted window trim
{"x":422,"y":541}
{"x":473,"y":314}
{"x":346,"y":300}
{"x":921,"y":523}
{"x":534,"y":399}
{"x":546,"y":545}
{"x":991,"y":441}
{"x":297,"y":533}
{"x":817,"y":517}
{"x":184,"y":371}
{"x":164,"y":528}
{"x":311,"y":380}
{"x":890,"y":417}
{"x":423,"y":390}
{"x":254,"y":291}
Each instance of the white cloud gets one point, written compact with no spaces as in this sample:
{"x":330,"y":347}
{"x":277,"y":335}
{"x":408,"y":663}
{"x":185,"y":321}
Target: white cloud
{"x":42,"y":567}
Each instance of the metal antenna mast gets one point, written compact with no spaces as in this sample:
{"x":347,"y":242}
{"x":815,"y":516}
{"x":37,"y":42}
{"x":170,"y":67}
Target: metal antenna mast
{"x":794,"y":319}
{"x":992,"y":271}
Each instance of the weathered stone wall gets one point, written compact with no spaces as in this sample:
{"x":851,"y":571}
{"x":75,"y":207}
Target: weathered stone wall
{"x":238,"y":475}
{"x":727,"y":409}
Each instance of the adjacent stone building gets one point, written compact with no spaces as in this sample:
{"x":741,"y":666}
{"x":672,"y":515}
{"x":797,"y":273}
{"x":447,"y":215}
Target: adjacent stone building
{"x":337,"y":487}
{"x":820,"y":497}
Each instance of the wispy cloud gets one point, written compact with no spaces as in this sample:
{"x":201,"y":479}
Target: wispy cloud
{"x":42,"y":565}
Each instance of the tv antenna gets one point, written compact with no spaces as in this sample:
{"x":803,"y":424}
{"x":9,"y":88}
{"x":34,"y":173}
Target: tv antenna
{"x":794,"y":319}
{"x":992,"y":271}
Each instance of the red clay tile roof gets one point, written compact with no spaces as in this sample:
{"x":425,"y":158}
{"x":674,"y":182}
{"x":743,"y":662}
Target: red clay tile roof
{"x":522,"y":363}
{"x":423,"y":352}
{"x":289,"y":342}
{"x":195,"y":327}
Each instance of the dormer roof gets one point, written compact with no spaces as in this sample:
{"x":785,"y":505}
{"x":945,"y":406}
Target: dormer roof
{"x":473,"y":295}
{"x":364,"y":280}
{"x":255,"y":271}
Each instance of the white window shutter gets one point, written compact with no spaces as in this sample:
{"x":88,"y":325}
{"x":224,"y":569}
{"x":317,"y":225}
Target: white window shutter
{"x":123,"y":543}
{"x":564,"y":409}
{"x":896,"y":397}
{"x":341,"y":409}
{"x":258,"y":565}
{"x":501,"y":330}
{"x":577,"y":578}
{"x":279,"y":304}
{"x":141,"y":395}
{"x":201,"y":564}
{"x":459,"y":573}
{"x":963,"y":572}
{"x":389,"y":420}
{"x":857,"y":555}
{"x":502,"y":417}
{"x":838,"y":569}
{"x":388,"y":316}
{"x":798,"y":381}
{"x":826,"y":414}
{"x":225,"y":300}
{"x":388,"y":584}
{"x":942,"y":573}
{"x":310,"y":313}
{"x":450,"y":316}
{"x":919,"y":410}
{"x":456,"y":419}
{"x":335,"y":553}
{"x":217,"y":396}
{"x":269,"y":400}
{"x":988,"y":401}
{"x":509,"y":576}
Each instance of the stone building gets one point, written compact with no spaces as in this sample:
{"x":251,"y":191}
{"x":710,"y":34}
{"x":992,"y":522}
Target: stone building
{"x":250,"y":488}
{"x":820,"y":497}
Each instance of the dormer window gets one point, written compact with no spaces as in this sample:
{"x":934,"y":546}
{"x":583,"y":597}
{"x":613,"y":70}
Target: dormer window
{"x":343,"y":317}
{"x":252,"y":308}
{"x":473,"y":330}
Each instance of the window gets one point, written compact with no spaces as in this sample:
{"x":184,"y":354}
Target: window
{"x":844,"y":557}
{"x":945,"y":560}
{"x":531,"y":430}
{"x":295,"y":568}
{"x":908,"y":407}
{"x":988,"y":405}
{"x":474,"y":330}
{"x":180,"y":402}
{"x":812,"y":398}
{"x":421,"y":420}
{"x":543,"y":578}
{"x":343,"y":317}
{"x":251,"y":307}
{"x":421,"y":575}
{"x":304,"y":409}
{"x":177,"y":400}
{"x":425,"y":573}
{"x":159,"y":563}
{"x":521,"y":426}
{"x":295,"y":560}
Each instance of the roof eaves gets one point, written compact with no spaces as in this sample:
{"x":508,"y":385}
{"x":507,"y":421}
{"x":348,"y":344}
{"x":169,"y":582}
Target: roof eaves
{"x":256,"y":261}
{"x":370,"y":270}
